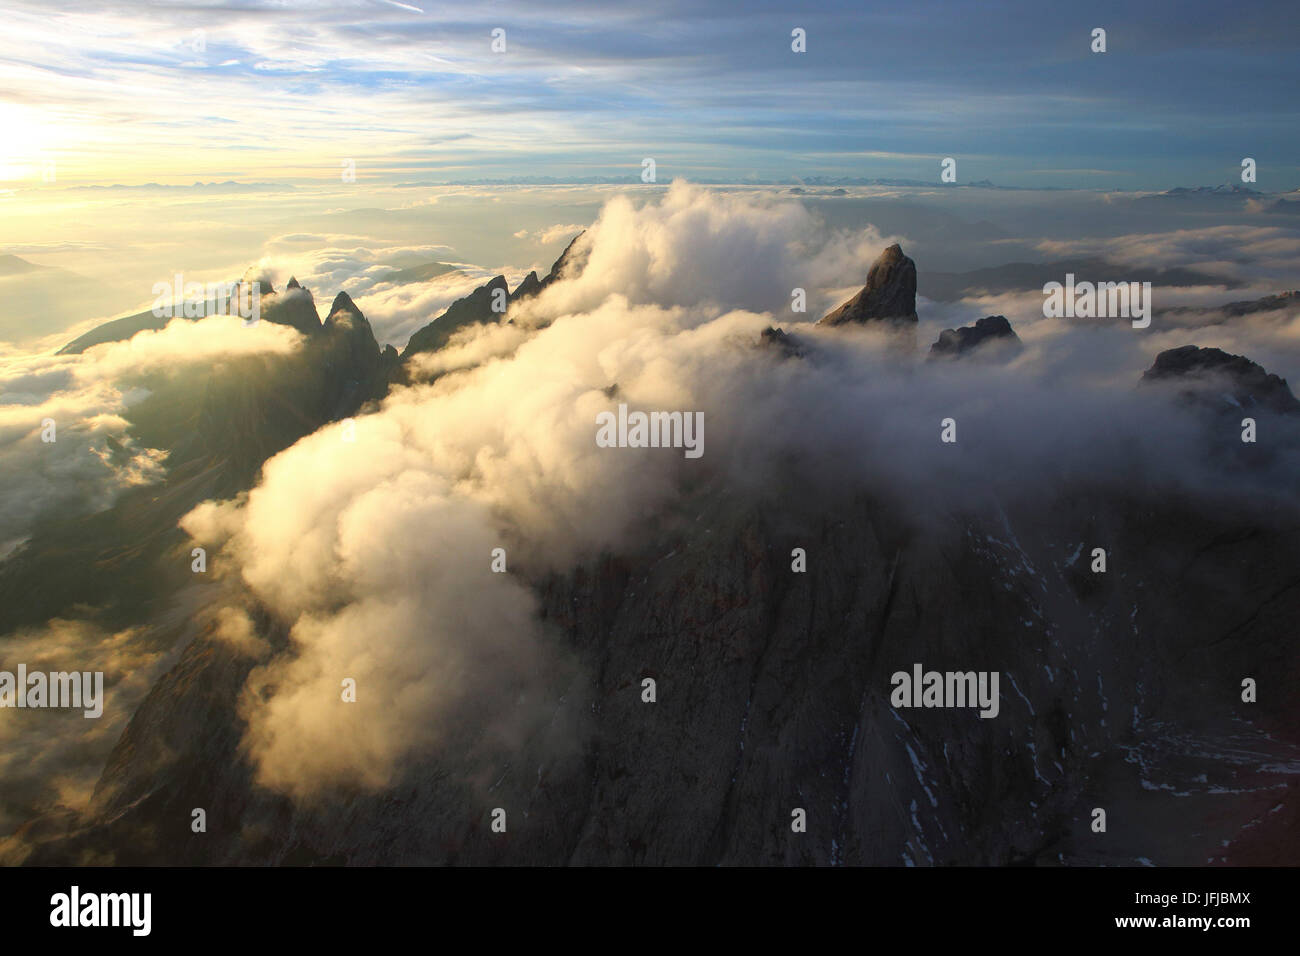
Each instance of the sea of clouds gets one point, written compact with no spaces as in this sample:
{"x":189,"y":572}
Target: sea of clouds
{"x":376,"y":552}
{"x":371,"y":542}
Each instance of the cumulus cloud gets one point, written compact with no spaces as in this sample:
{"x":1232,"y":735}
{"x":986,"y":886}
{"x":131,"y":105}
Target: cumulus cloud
{"x":341,"y":261}
{"x":397,"y":311}
{"x":467,"y":348}
{"x":729,"y":249}
{"x":550,"y":233}
{"x":376,"y":554}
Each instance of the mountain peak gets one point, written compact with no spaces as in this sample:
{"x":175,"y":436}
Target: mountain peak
{"x":889,"y":295}
{"x":293,"y":284}
{"x":297,"y":311}
{"x":992,"y":330}
{"x":567,"y":260}
{"x":1205,"y":372}
{"x":530,"y":285}
{"x":475,"y":308}
{"x":343,"y":302}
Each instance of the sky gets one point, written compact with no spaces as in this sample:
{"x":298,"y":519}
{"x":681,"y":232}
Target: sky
{"x":290,"y":92}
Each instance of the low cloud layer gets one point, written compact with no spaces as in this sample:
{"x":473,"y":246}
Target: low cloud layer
{"x":1269,"y":250}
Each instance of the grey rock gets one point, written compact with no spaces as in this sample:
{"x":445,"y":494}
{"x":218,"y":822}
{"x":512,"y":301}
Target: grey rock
{"x":990,"y":335}
{"x":1220,"y":379}
{"x":889,"y":295}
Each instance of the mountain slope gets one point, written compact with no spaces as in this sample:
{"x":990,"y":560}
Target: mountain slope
{"x":1119,"y":690}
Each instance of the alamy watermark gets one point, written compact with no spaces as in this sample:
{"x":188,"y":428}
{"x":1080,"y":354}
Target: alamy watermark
{"x":1102,"y":300}
{"x":946,"y":689}
{"x":75,"y":908}
{"x":652,"y":430}
{"x":193,"y":299}
{"x":56,"y":689}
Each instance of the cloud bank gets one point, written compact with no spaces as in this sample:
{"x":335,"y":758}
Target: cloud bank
{"x":376,"y":554}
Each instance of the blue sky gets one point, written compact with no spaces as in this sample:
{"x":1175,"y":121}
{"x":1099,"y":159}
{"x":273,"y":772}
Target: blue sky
{"x":712,"y":91}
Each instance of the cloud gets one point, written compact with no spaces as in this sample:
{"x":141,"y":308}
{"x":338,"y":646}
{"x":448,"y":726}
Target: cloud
{"x":582,"y":87}
{"x":52,"y":757}
{"x":375,"y":555}
{"x":396,"y":311}
{"x":743,"y":250}
{"x":1270,"y":251}
{"x":551,"y":234}
{"x":88,"y":398}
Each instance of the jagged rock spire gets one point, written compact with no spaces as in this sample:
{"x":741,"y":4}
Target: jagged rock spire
{"x":889,"y":295}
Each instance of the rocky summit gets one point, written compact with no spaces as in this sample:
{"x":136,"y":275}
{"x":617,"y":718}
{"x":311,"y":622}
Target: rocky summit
{"x":991,"y":333}
{"x":1209,"y":375}
{"x":888,"y":296}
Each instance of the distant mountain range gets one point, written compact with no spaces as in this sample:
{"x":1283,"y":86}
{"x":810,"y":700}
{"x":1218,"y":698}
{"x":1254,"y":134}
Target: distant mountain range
{"x":1226,"y":189}
{"x":228,"y":186}
{"x":13,"y":266}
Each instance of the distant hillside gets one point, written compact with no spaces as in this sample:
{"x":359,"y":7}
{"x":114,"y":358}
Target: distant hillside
{"x":40,"y":300}
{"x":13,"y":266}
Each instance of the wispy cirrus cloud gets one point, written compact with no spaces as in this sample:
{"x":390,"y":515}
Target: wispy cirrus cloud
{"x":404,"y":88}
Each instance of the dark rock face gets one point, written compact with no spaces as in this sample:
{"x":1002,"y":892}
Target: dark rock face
{"x":1217,"y":378}
{"x":530,"y":285}
{"x":295,"y":308}
{"x":774,"y":694}
{"x":775,"y":338}
{"x":889,"y":295}
{"x":350,"y":358}
{"x":475,"y":308}
{"x":342,"y":303}
{"x":256,"y":407}
{"x":115,"y":330}
{"x":993,"y":333}
{"x":1268,"y":303}
{"x":570,"y":262}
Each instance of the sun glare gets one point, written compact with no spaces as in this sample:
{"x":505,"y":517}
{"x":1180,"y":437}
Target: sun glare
{"x":24,"y":138}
